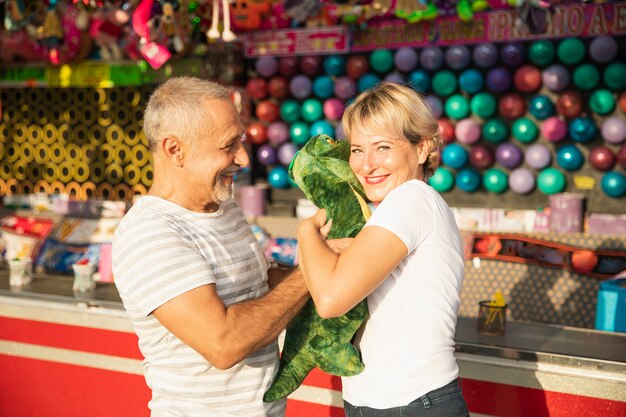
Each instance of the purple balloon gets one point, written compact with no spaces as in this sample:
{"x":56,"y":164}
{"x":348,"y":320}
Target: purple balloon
{"x":509,"y":155}
{"x":603,"y":49}
{"x":435,"y":104}
{"x":458,"y":57}
{"x":556,"y":77}
{"x":521,"y":181}
{"x":339,"y":133}
{"x":485,"y":55}
{"x":266,"y":155}
{"x":614,"y":130}
{"x":431,"y":58}
{"x":499,"y":80}
{"x":395,"y":77}
{"x":345,"y":87}
{"x":537,"y":156}
{"x":512,"y":55}
{"x":277,"y":133}
{"x":300,"y":86}
{"x":266,"y":66}
{"x":405,"y":59}
{"x":285,"y":153}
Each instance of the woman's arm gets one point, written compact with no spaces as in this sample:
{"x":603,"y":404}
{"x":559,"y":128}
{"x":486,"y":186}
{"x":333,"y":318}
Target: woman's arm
{"x":338,"y":282}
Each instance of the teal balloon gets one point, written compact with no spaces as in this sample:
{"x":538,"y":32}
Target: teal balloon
{"x":290,"y":111}
{"x":444,"y":83}
{"x":615,"y":76}
{"x":551,"y":181}
{"x":495,"y":131}
{"x":468,"y":180}
{"x":582,"y":129}
{"x":420,"y":80}
{"x":322,"y":127}
{"x":367,"y":81}
{"x":457,"y":107}
{"x":323,"y":86}
{"x":442,"y":180}
{"x":614,"y":184}
{"x":483,"y":105}
{"x":541,"y":107}
{"x":525,"y":130}
{"x":454,"y":155}
{"x":586,"y":77}
{"x":381,"y":61}
{"x":571,"y":51}
{"x":569,"y":157}
{"x":278,"y":177}
{"x":495,"y":180}
{"x":471,"y":81}
{"x":299,"y":133}
{"x":541,"y":53}
{"x":602,"y":101}
{"x":311,"y":110}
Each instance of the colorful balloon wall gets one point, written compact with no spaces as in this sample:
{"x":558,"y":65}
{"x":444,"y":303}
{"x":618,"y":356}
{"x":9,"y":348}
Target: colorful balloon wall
{"x":519,"y":117}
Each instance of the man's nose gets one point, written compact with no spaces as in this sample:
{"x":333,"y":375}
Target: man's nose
{"x":241,"y":157}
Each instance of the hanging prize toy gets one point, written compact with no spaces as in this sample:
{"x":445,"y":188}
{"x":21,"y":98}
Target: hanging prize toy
{"x":154,"y":53}
{"x":51,"y":33}
{"x":227,"y":34}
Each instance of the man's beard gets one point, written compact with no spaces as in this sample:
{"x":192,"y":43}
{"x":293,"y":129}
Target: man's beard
{"x":223,"y":192}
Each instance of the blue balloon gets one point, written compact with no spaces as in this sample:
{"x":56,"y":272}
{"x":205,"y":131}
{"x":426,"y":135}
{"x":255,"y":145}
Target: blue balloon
{"x":499,"y":80}
{"x":541,"y":107}
{"x":454,"y":156}
{"x":322,"y":127}
{"x":323,"y":86}
{"x":614,"y":184}
{"x":468,"y":180}
{"x":367,"y":81}
{"x":420,"y":80}
{"x":278,"y":177}
{"x":471,"y":81}
{"x":569,"y":157}
{"x":335,"y":65}
{"x":582,"y":129}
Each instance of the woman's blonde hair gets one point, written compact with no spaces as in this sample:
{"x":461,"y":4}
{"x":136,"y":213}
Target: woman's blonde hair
{"x":178,"y":108}
{"x":396,"y":111}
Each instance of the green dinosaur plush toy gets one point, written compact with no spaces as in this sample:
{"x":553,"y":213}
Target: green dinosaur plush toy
{"x":321,"y":170}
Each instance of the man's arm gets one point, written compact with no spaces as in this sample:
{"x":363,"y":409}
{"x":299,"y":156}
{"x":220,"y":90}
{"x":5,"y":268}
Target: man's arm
{"x":227,"y":335}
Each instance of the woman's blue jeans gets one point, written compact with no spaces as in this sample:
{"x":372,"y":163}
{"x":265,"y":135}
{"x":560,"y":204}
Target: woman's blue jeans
{"x":446,"y":401}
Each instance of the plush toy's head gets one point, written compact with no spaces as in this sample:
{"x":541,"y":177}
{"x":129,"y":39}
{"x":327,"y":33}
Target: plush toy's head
{"x":322,"y":172}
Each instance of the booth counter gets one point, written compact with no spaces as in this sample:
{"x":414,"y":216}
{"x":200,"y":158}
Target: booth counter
{"x":66,"y":355}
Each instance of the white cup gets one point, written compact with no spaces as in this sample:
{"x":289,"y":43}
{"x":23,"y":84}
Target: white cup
{"x":20,"y":272}
{"x":83,"y":278}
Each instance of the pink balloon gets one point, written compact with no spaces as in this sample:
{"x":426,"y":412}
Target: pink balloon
{"x":277,"y":133}
{"x":286,"y":152}
{"x":537,"y":156}
{"x":554,"y":129}
{"x":467,"y":131}
{"x":614,"y":130}
{"x":333,"y":108}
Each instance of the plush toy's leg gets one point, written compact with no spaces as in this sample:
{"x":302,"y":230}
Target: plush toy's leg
{"x":213,"y":32}
{"x":227,"y":34}
{"x":290,"y":377}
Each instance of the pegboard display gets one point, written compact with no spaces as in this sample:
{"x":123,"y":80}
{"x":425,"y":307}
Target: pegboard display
{"x":520,"y":120}
{"x":86,"y":142}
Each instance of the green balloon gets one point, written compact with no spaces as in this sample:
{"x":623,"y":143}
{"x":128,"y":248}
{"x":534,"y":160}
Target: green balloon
{"x":495,"y":131}
{"x":442,"y":180}
{"x":290,"y":111}
{"x":525,"y":130}
{"x":551,"y":181}
{"x":483,"y":105}
{"x":457,"y":107}
{"x":311,"y":110}
{"x":299,"y":133}
{"x":571,"y":51}
{"x":602,"y":102}
{"x":495,"y":180}
{"x":444,"y":83}
{"x":615,"y":76}
{"x":381,"y":61}
{"x":586,"y":77}
{"x":541,"y":53}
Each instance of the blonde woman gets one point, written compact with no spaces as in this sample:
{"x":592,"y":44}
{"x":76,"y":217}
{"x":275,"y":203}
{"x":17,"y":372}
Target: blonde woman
{"x":407,"y":261}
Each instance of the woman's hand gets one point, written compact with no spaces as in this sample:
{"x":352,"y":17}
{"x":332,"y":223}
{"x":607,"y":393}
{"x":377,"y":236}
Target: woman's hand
{"x":339,"y":245}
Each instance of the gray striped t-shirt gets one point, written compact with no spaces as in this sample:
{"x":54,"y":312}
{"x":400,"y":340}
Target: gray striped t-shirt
{"x":162,"y":250}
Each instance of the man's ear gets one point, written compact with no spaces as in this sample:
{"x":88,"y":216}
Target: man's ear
{"x":173,"y":150}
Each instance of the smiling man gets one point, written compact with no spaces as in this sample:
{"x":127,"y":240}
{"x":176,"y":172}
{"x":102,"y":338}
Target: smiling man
{"x":191,"y":274}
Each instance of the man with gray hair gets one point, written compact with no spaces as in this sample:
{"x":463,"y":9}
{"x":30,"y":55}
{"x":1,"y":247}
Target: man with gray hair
{"x":191,"y":274}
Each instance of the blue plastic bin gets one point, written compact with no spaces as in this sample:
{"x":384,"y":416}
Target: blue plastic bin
{"x":611,"y":308}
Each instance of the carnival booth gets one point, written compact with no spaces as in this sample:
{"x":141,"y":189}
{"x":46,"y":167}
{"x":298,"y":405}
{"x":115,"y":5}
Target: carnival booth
{"x":530,"y":98}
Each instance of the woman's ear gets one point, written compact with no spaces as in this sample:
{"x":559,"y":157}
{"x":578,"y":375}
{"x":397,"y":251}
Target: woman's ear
{"x":423,"y":150}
